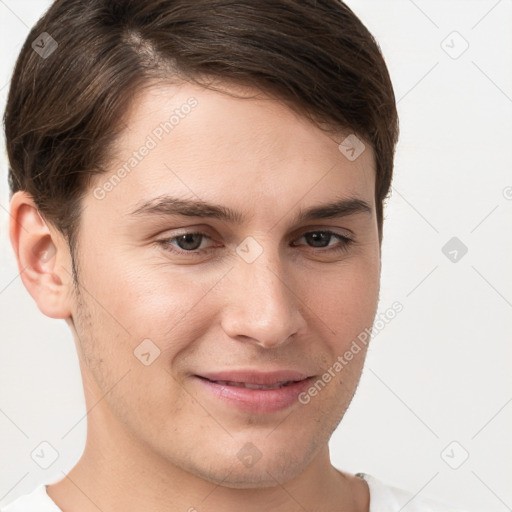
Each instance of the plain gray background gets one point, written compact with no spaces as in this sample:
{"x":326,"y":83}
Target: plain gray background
{"x":433,"y":413}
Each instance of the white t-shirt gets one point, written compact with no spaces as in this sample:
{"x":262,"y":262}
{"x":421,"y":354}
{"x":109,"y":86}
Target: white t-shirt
{"x":383,"y":498}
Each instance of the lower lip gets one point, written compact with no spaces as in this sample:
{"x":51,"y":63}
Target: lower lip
{"x":257,"y":400}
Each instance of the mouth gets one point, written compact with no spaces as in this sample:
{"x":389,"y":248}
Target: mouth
{"x":251,"y":386}
{"x":255,"y":392}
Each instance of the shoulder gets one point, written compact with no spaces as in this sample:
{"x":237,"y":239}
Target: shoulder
{"x":386,"y":498}
{"x":36,"y":501}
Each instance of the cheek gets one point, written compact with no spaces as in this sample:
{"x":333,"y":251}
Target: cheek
{"x":121,"y":341}
{"x":148,"y":299}
{"x":346,"y":299}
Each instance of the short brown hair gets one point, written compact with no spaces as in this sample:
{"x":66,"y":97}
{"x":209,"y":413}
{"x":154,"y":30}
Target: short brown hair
{"x":64,"y":109}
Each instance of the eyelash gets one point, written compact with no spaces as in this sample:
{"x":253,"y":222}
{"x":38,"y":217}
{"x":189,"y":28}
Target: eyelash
{"x":166,"y":243}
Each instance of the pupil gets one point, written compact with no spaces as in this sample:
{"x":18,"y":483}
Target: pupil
{"x":316,"y":237}
{"x":185,"y":240}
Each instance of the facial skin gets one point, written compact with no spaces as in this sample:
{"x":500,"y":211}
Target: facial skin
{"x":156,"y":434}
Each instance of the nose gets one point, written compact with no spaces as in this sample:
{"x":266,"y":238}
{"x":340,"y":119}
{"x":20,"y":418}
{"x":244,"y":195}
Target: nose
{"x":261,"y":303}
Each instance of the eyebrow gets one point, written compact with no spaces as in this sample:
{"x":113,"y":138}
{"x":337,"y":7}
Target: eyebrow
{"x":172,"y":206}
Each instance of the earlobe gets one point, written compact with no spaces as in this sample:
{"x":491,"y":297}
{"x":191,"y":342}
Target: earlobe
{"x":42,"y":256}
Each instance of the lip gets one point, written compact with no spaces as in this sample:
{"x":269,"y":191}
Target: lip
{"x":223,"y":386}
{"x":256,"y":377}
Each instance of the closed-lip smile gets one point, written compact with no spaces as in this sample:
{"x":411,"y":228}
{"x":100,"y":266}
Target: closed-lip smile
{"x":256,"y":391}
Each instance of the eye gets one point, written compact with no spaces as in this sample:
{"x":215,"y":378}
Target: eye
{"x":322,"y":239}
{"x":191,"y":243}
{"x":186,"y":243}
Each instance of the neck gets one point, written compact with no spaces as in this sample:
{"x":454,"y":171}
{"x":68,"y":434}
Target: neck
{"x":116,"y":473}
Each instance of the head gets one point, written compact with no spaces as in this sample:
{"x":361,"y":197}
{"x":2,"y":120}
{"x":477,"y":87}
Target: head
{"x":198,"y":187}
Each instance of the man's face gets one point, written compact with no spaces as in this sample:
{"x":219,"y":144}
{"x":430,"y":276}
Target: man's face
{"x":170,"y":327}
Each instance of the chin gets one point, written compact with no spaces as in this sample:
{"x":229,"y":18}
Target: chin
{"x":259,"y":476}
{"x":249,"y":467}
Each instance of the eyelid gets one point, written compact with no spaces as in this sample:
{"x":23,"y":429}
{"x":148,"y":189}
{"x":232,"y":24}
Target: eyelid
{"x":335,"y":230}
{"x":189,"y":230}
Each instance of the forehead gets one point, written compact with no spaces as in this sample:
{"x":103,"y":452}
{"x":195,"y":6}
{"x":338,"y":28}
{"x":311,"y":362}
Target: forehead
{"x":185,"y":140}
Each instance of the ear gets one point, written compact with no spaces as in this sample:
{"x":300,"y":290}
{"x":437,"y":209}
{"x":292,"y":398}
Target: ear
{"x":43,"y":257}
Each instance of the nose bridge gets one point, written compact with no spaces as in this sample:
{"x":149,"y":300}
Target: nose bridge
{"x":262,"y":304}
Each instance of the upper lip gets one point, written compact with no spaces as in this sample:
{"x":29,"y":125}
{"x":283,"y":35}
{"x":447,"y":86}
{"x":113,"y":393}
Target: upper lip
{"x":256,"y":377}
